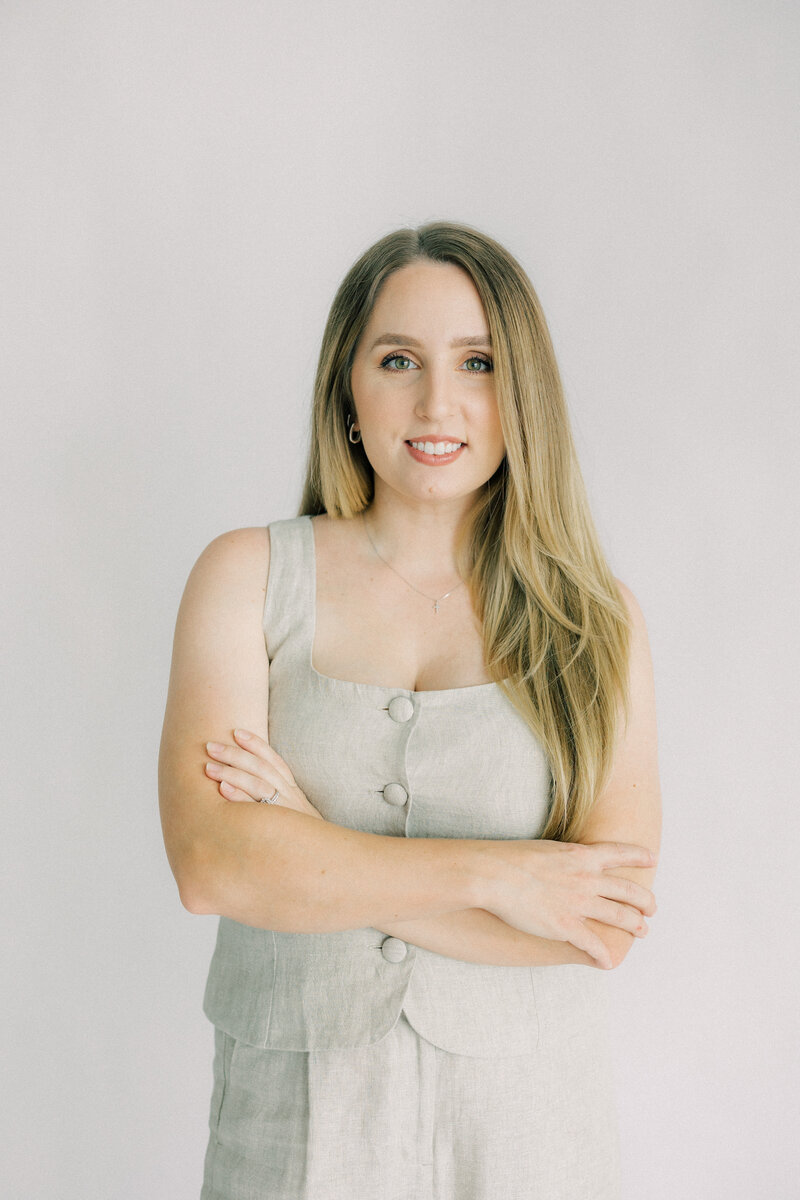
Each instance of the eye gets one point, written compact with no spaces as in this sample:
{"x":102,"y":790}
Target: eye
{"x":403,"y":358}
{"x":485,"y":365}
{"x":404,"y":363}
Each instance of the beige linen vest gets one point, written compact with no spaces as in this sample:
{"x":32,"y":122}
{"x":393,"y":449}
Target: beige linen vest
{"x":459,"y":762}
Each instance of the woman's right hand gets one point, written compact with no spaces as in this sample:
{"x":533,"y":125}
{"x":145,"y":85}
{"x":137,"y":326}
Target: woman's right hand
{"x":551,"y":889}
{"x":252,"y":768}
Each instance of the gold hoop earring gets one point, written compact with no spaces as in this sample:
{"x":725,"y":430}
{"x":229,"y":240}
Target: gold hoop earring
{"x":351,"y":429}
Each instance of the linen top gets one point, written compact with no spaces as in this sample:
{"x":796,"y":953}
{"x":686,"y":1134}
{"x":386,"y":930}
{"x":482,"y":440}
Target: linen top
{"x":454,"y":762}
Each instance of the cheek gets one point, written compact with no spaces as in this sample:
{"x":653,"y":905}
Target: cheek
{"x":494,"y":427}
{"x":356,"y":383}
{"x":499,"y":446}
{"x":370,"y":391}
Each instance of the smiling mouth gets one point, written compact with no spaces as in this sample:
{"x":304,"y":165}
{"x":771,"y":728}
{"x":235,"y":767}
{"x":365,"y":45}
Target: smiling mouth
{"x":436,"y":448}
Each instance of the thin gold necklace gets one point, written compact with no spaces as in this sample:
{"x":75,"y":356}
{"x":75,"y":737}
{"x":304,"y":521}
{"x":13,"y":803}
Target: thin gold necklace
{"x":436,"y":602}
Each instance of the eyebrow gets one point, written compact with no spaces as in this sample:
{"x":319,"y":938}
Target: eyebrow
{"x":399,"y":339}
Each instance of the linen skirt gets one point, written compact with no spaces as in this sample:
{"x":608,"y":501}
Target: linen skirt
{"x":403,"y":1119}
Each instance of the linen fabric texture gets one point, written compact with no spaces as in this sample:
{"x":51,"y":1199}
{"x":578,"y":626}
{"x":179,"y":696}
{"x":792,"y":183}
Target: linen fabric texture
{"x":351,"y":1063}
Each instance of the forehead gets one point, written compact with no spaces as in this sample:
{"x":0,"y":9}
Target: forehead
{"x":429,"y":294}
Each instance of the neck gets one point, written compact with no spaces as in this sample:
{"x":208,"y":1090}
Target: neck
{"x":418,"y":538}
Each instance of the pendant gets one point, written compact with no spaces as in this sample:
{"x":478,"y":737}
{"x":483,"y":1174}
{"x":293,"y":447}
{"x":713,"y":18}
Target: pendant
{"x":436,"y":606}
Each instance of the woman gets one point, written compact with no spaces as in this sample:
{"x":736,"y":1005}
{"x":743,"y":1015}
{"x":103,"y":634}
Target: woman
{"x":453,"y":809}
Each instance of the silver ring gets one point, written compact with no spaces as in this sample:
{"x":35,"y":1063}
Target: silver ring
{"x":273,"y":799}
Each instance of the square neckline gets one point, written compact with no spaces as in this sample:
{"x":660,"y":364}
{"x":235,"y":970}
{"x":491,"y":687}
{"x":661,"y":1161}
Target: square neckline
{"x":473,"y":688}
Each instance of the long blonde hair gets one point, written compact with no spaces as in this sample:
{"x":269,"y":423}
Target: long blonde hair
{"x":556,"y":632}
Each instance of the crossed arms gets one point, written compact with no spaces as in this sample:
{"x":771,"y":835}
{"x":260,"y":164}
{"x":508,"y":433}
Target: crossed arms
{"x":282,"y":867}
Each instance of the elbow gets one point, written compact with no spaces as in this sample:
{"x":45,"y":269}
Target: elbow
{"x":194,"y":899}
{"x":193,"y":876}
{"x":618,"y":943}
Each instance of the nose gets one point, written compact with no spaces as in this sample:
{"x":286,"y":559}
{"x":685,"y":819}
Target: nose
{"x":436,"y":395}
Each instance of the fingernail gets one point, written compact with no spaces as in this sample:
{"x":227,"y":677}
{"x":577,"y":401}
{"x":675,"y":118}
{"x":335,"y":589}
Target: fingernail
{"x":214,"y":747}
{"x":241,"y":733}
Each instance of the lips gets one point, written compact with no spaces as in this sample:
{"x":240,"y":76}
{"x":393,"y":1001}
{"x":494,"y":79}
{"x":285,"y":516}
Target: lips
{"x":440,"y":437}
{"x":436,"y":460}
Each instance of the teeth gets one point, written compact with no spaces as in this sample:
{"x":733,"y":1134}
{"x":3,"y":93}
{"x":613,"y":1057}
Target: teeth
{"x":437,"y":447}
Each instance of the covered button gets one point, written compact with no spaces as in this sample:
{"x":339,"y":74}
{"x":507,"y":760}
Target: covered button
{"x":393,"y":950}
{"x":401,"y":709}
{"x":395,"y":793}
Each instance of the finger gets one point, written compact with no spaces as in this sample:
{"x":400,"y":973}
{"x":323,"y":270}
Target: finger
{"x":621,"y":916}
{"x":254,"y":785}
{"x":259,"y":746}
{"x":622,"y":854}
{"x":583,"y":938}
{"x":232,"y":793}
{"x":246,"y":760}
{"x":614,"y":887}
{"x":235,"y":755}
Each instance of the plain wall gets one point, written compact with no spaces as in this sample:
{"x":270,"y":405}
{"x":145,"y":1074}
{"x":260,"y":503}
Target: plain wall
{"x":184,"y":185}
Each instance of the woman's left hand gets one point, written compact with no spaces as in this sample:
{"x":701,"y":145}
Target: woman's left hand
{"x":251,"y":769}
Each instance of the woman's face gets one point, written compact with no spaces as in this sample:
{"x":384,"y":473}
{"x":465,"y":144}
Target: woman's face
{"x":423,"y":385}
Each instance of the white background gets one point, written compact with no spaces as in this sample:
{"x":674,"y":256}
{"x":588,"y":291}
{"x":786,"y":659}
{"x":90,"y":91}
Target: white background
{"x":184,"y":185}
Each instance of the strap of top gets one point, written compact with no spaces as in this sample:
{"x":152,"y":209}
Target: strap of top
{"x":291,"y":588}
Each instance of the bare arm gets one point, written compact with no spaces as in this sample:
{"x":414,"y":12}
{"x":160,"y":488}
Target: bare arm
{"x":269,"y":866}
{"x":275,"y":868}
{"x":629,"y":810}
{"x":477,"y":936}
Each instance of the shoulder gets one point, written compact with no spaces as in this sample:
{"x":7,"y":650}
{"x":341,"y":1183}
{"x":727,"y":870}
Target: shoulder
{"x":239,"y":545}
{"x":231,"y":570}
